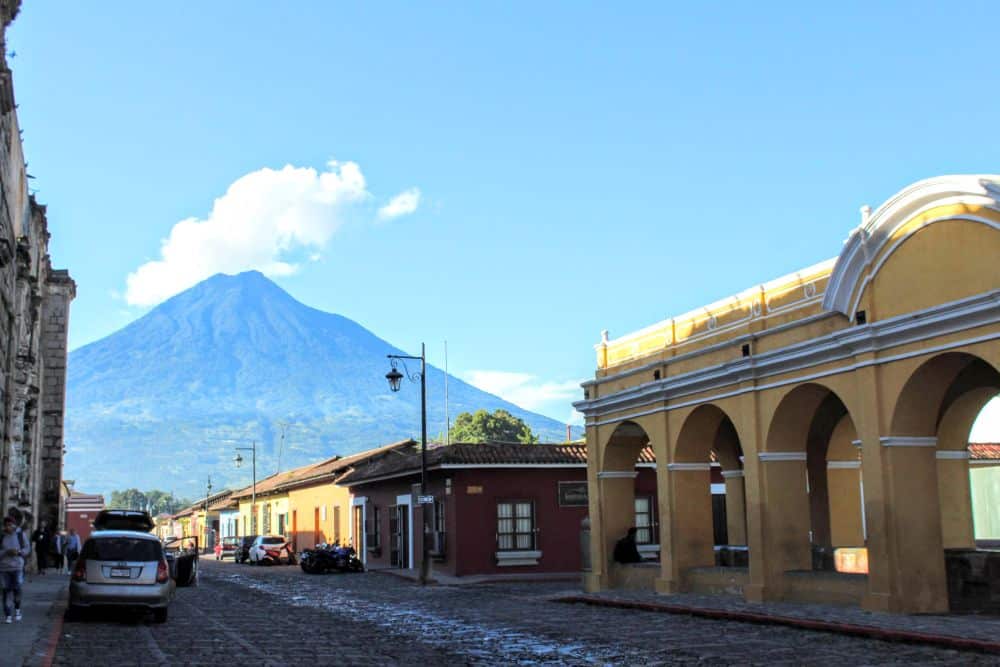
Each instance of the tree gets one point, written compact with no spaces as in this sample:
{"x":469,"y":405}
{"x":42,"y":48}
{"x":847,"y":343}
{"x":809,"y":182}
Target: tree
{"x":481,"y":426}
{"x":155,"y":501}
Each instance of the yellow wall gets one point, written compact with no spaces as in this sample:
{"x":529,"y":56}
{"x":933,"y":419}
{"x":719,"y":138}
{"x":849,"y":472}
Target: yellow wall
{"x":309,"y":501}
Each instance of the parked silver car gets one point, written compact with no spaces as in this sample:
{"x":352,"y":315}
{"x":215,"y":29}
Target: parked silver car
{"x":122,"y":565}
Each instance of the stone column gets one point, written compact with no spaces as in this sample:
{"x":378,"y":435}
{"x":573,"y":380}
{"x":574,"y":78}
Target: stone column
{"x":736,"y":507}
{"x":913,"y":564}
{"x":955,"y":493}
{"x":785,"y":517}
{"x":691,"y":540}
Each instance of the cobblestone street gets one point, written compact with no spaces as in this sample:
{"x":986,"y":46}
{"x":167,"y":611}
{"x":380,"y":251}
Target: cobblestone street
{"x":280,"y":616}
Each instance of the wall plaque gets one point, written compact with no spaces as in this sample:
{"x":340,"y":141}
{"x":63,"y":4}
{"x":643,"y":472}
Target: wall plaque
{"x":474,"y":490}
{"x":573,"y":494}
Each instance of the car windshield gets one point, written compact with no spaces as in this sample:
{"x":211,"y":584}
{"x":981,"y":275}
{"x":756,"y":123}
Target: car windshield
{"x":274,"y":540}
{"x":122,"y":548}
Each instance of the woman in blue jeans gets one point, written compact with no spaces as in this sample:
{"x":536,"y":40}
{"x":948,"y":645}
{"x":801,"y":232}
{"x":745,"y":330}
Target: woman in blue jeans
{"x":13,"y":550}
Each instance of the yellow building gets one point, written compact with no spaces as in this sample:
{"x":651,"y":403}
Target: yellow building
{"x":305,"y":504}
{"x":838,"y":401}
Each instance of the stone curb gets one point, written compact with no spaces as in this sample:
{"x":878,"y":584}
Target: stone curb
{"x":867,"y":631}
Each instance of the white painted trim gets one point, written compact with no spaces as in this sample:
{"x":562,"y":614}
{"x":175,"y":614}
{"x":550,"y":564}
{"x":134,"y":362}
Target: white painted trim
{"x":362,"y":540}
{"x":908,"y":441}
{"x":951,"y":455}
{"x":407,"y":499}
{"x":515,"y":558}
{"x":867,"y":241}
{"x":984,"y":462}
{"x":782,"y":456}
{"x":718,"y":489}
{"x":843,"y":465}
{"x":648,"y":551}
{"x":688,"y":467}
{"x":617,"y":474}
{"x":732,"y":474}
{"x":895,"y":245}
{"x":856,"y":443}
{"x":914,"y":327}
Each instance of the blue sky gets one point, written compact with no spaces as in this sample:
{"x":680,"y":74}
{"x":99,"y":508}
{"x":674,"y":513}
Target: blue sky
{"x":568,"y":167}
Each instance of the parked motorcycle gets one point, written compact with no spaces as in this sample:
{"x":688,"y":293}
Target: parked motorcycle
{"x":330,"y":558}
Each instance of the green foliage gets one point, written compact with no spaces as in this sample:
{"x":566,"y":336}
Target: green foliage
{"x":155,"y":501}
{"x":499,"y":426}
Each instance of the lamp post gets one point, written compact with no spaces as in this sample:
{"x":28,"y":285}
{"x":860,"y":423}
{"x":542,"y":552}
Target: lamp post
{"x":395,"y":377}
{"x":238,"y":460}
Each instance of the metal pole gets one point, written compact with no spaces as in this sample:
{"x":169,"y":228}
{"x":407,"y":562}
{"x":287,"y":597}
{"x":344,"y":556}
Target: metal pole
{"x":253,"y":490}
{"x":425,"y":543}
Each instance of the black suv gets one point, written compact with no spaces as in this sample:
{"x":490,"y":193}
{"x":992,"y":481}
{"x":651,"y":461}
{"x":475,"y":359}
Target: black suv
{"x":242,"y":553}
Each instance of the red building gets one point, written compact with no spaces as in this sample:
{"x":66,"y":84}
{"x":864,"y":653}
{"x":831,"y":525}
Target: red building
{"x":81,"y":509}
{"x":497,"y":508}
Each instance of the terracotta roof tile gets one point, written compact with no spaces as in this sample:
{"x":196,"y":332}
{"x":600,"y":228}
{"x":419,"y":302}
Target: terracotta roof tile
{"x":984,"y":451}
{"x":475,"y":454}
{"x":312,"y":473}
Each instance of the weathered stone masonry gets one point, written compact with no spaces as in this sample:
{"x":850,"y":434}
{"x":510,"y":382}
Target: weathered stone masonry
{"x":34,"y":317}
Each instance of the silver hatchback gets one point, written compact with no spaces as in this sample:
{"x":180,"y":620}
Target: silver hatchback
{"x":124,"y":568}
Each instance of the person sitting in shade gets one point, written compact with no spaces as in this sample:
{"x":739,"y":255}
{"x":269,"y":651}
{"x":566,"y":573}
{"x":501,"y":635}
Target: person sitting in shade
{"x":625,"y":549}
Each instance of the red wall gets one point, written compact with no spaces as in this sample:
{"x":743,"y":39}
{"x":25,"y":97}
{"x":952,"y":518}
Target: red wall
{"x":471,"y":517}
{"x":81,"y":522}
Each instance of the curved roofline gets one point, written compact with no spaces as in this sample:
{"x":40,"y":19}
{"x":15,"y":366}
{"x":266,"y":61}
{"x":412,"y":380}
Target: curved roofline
{"x":866,"y":242}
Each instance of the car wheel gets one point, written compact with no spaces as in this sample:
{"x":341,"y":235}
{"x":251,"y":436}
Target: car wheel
{"x":160,"y":615}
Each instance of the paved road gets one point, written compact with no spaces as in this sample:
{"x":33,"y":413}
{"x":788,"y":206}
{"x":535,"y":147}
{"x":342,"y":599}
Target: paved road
{"x":280,"y":616}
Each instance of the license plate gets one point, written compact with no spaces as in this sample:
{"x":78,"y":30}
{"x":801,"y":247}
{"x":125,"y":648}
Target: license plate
{"x":122,"y":572}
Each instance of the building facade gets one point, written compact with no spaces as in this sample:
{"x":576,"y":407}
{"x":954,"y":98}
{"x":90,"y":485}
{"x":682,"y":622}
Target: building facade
{"x":34,"y":315}
{"x":80,"y":511}
{"x":498,"y":509}
{"x":838,"y":401}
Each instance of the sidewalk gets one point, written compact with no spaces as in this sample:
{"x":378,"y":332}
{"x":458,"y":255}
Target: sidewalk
{"x":956,"y":631}
{"x":42,"y":604}
{"x":447,"y":580}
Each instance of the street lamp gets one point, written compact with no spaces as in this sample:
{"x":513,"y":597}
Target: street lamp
{"x":395,"y":378}
{"x":238,"y":460}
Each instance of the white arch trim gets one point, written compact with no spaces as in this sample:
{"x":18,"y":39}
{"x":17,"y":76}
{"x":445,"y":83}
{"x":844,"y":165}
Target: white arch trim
{"x":853,"y":265}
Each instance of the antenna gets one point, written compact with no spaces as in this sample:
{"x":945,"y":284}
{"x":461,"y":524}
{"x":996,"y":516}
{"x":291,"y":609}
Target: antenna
{"x":447,"y":420}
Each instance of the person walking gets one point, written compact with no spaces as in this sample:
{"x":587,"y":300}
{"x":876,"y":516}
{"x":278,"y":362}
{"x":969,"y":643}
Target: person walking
{"x":72,"y":549}
{"x":42,"y":540}
{"x":56,"y":546}
{"x":13,"y":550}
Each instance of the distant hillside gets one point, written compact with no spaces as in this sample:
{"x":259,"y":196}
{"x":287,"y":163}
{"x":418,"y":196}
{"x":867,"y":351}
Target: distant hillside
{"x":162,"y":402}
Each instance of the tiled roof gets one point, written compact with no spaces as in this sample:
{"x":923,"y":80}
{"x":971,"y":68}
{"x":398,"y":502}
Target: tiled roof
{"x":314,"y":473}
{"x":477,"y":454}
{"x":984,"y":451}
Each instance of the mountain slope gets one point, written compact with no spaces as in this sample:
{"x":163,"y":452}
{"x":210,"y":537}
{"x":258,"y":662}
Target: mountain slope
{"x":162,"y":402}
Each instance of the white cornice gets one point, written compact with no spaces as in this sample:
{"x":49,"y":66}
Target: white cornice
{"x":843,"y":465}
{"x":930,"y":323}
{"x":732,"y":474}
{"x":617,"y":474}
{"x":952,"y":455}
{"x":689,"y":467}
{"x":782,"y":456}
{"x":867,"y":241}
{"x":908,"y":441}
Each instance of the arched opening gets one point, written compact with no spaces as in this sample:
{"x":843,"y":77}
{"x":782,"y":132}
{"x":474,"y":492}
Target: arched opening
{"x":811,"y":469}
{"x":928,"y":461}
{"x":709,"y":523}
{"x":628,"y":492}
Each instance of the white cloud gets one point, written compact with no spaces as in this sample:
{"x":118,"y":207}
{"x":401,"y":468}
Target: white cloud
{"x":262,"y":222}
{"x":404,"y":203}
{"x":528,"y":391}
{"x":987,"y":426}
